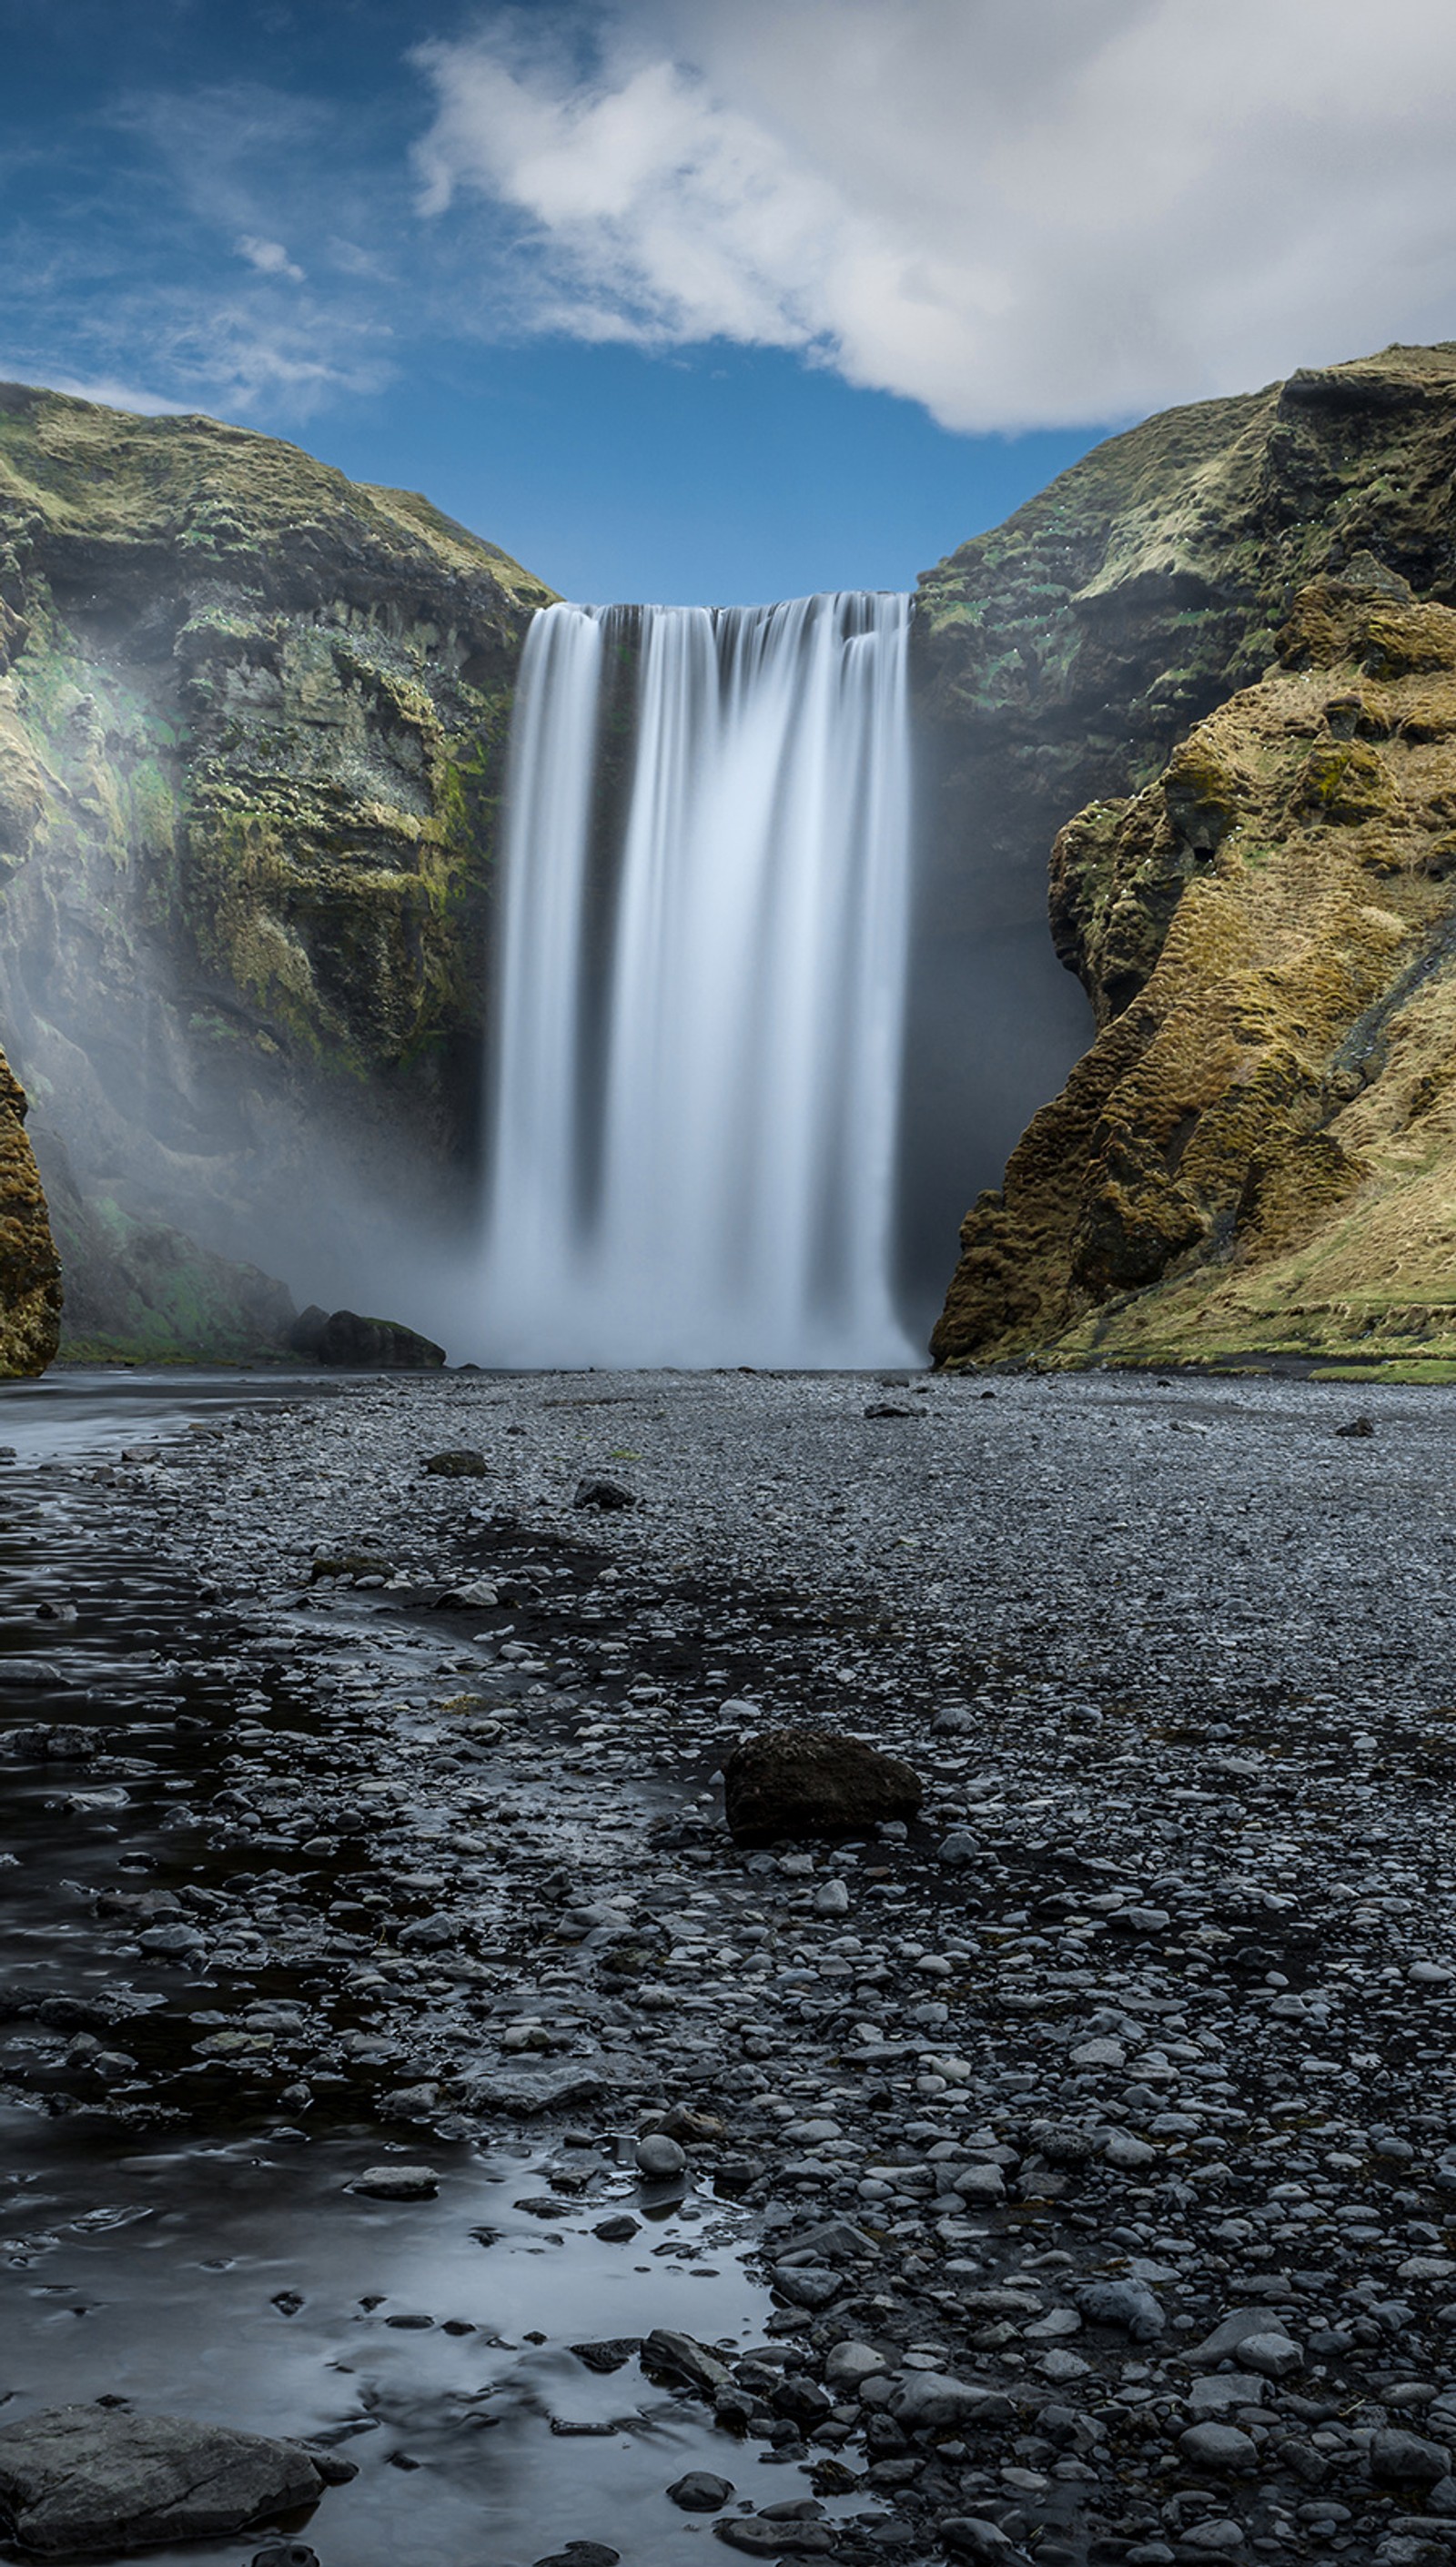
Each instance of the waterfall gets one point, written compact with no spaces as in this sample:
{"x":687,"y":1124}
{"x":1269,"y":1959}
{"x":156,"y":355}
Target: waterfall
{"x":700,"y":1008}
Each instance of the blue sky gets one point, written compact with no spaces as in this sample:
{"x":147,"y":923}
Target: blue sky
{"x":716,"y":299}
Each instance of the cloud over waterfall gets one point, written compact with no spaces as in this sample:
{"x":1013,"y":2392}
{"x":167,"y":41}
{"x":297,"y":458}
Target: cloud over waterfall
{"x":1071,"y":211}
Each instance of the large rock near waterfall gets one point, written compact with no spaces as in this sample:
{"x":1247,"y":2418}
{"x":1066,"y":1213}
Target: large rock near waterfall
{"x":345,"y":1338}
{"x":30,"y":1271}
{"x":1252,"y":1156}
{"x":82,"y":2479}
{"x":252,"y":729}
{"x":813,"y":1783}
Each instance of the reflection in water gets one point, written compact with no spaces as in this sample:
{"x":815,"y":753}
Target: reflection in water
{"x":208,"y":2260}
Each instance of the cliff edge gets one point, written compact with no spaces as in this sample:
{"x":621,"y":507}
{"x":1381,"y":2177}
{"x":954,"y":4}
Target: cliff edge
{"x":252,"y":731}
{"x":1257,"y":1155}
{"x":1254,"y":1154}
{"x":30,"y":1269}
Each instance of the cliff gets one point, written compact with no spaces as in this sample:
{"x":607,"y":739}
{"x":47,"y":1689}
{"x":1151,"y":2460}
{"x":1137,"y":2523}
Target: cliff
{"x":1259,"y":1152}
{"x":1256,"y":920}
{"x":1060,"y":658}
{"x":252,"y":727}
{"x":30,"y":1271}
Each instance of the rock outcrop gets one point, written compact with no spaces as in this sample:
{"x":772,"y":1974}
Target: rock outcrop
{"x":252,"y":727}
{"x":83,"y":2479}
{"x":1257,"y":1155}
{"x":30,"y":1269}
{"x":1060,"y":658}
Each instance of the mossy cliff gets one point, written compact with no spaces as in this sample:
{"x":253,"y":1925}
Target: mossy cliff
{"x":1259,"y":1152}
{"x":30,"y":1271}
{"x":252,"y":729}
{"x":1060,"y":658}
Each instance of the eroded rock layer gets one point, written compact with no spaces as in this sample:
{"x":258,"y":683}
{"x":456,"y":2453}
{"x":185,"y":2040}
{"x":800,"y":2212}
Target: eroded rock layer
{"x":30,"y":1271}
{"x":1062,"y":657}
{"x":1259,"y":1152}
{"x":252,"y":727}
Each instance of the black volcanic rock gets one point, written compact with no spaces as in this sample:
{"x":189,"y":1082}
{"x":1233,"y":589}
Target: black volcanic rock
{"x":811,"y":1783}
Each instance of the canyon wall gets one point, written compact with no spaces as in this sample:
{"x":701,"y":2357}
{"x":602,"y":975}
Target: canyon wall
{"x":252,"y":732}
{"x":1228,"y":635}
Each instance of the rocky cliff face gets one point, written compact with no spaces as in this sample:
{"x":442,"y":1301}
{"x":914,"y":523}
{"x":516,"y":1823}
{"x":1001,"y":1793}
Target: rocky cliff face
{"x":30,"y":1269}
{"x":1060,"y":659}
{"x":1249,"y":922}
{"x":1259,"y":1152}
{"x":252,"y":726}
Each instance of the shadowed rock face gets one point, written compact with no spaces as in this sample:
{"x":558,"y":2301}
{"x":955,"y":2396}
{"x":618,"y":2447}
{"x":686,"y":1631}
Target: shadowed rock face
{"x":1062,"y":657}
{"x":1250,"y":890}
{"x":252,"y":729}
{"x":1259,"y":1152}
{"x":30,"y":1271}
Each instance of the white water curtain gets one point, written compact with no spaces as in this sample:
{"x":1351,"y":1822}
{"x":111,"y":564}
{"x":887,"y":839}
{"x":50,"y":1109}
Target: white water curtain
{"x":698,"y":1020}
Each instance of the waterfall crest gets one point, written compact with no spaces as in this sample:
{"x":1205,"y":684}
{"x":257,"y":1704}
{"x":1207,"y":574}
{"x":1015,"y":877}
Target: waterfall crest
{"x":702,"y":967}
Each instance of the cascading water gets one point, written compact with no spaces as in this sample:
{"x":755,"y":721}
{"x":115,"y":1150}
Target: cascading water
{"x":700,"y":1004}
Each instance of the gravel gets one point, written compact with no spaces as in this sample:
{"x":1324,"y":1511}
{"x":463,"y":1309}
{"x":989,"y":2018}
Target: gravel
{"x":1123,"y":2077}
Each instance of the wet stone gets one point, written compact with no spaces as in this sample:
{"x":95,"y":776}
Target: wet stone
{"x":701,"y":2492}
{"x":81,"y":2478}
{"x":397,"y":2183}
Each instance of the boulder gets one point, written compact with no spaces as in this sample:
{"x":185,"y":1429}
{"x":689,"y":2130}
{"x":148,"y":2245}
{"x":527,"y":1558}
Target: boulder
{"x":85,"y":2479}
{"x":813,"y":1781}
{"x":397,"y":2183}
{"x":461,"y":1463}
{"x":1129,"y":2305}
{"x":922,"y":2400}
{"x":1407,"y":2460}
{"x":701,"y":2492}
{"x":683,"y":2358}
{"x":343,"y":1338}
{"x":1238,"y":2326}
{"x":525,"y":2092}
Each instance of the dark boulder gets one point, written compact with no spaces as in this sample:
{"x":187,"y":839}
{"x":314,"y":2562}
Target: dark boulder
{"x":608,"y":1494}
{"x":813,"y":1783}
{"x":464,"y":1463}
{"x":85,"y":2479}
{"x":343,"y":1338}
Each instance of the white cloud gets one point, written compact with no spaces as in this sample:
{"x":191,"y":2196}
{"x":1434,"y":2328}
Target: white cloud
{"x":1068,"y":211}
{"x":270,"y":257}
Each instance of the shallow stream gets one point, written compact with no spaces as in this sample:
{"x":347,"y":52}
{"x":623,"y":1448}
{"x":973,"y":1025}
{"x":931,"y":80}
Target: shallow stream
{"x":218,"y":2264}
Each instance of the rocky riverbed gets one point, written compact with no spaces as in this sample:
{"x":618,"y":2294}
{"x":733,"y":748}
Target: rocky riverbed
{"x":1064,"y":2173}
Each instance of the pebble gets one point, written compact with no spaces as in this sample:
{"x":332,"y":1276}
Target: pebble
{"x":1155,"y":1999}
{"x":701,"y":2492}
{"x":398,"y":2183}
{"x":1218,"y":2446}
{"x":660,"y":2158}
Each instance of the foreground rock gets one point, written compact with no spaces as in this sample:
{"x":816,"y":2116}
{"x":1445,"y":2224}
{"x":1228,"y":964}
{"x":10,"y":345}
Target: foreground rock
{"x":1100,"y":2131}
{"x":85,"y":2479}
{"x":811,"y":1783}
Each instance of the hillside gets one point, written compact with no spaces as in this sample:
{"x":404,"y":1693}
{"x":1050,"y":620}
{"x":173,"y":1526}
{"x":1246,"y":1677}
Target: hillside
{"x":252,"y":726}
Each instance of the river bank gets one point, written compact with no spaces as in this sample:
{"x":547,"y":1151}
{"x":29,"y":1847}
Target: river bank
{"x":363,"y":1814}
